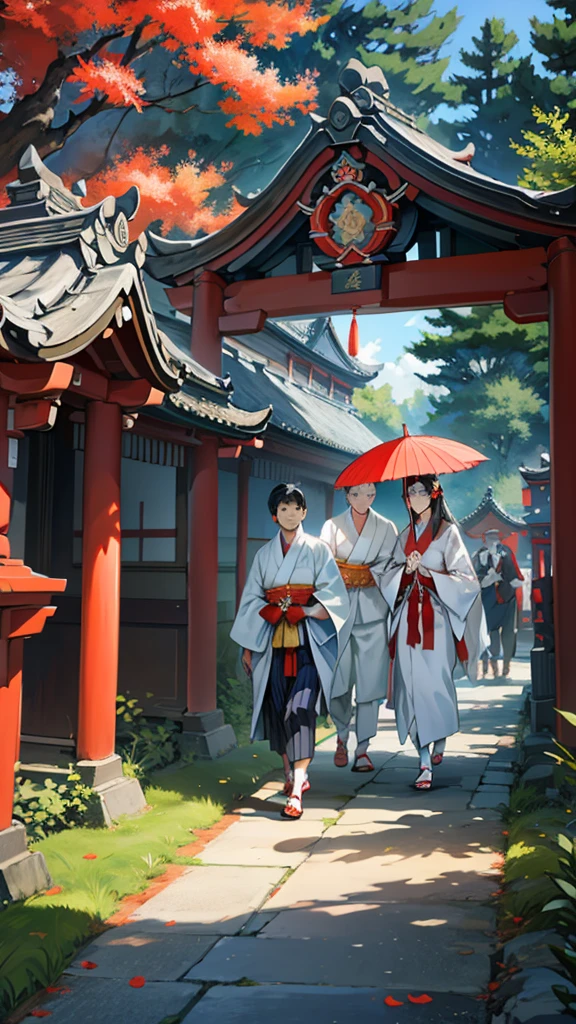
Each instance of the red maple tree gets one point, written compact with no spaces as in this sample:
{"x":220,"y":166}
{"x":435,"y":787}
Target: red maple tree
{"x":97,"y":46}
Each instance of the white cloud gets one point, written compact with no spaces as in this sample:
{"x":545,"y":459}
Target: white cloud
{"x":401,"y":374}
{"x":369,"y":352}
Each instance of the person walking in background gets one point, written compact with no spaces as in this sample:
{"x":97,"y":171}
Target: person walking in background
{"x":292,"y":609}
{"x":362,"y":542}
{"x":500,"y":578}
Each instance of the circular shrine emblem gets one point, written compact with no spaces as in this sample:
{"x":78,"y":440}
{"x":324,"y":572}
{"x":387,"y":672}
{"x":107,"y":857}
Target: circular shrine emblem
{"x":351,"y":220}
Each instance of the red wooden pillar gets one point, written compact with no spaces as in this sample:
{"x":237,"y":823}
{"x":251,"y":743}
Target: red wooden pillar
{"x":208,"y":307}
{"x":11,"y":692}
{"x":244,"y":469}
{"x":562,"y":291}
{"x":203,"y":579}
{"x":100,"y":582}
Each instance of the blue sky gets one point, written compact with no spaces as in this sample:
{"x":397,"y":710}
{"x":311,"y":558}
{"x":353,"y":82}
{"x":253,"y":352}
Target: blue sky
{"x":384,"y":337}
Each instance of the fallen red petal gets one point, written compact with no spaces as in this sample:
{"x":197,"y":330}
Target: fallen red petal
{"x":137,"y":982}
{"x":88,"y":965}
{"x":390,"y":1001}
{"x":40,"y":1013}
{"x":517,"y":920}
{"x":420,"y":999}
{"x":493,"y":985}
{"x":90,"y":856}
{"x":169,"y":924}
{"x":54,"y":891}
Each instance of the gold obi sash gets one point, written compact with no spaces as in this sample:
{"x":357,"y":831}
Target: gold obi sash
{"x":285,"y":634}
{"x":355,"y":576}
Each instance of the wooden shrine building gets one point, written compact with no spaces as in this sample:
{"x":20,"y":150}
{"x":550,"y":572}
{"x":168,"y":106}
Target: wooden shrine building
{"x":331,"y":233}
{"x":83,"y":367}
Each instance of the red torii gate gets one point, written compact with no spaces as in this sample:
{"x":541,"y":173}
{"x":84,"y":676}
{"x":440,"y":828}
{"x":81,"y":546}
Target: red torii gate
{"x":331,"y":233}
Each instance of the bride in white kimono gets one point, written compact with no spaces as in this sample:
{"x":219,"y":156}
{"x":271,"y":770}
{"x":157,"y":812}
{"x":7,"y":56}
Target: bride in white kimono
{"x":436,"y":623}
{"x":362,"y":542}
{"x":293,"y":606}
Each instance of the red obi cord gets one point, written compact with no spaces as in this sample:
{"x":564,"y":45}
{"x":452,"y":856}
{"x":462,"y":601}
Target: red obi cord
{"x":426,"y":585}
{"x":290,"y":663}
{"x":414,"y":638}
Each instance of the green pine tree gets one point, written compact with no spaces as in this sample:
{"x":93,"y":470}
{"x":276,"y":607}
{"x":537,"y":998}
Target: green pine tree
{"x":494,"y":376}
{"x":555,"y":40}
{"x":501,"y":89}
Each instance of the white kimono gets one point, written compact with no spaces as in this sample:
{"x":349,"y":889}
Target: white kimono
{"x":363,"y":658}
{"x":423,"y":691}
{"x":308,"y":561}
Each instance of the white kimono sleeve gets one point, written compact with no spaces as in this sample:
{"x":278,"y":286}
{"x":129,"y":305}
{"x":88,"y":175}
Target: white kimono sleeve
{"x":328,"y":535}
{"x":250,"y":630}
{"x":389,"y":575}
{"x":330,"y":590}
{"x":458,"y":587}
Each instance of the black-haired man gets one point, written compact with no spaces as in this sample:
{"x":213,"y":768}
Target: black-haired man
{"x":500,"y":577}
{"x":292,"y":609}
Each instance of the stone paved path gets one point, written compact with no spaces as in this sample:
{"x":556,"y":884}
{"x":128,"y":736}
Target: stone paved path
{"x":379,"y":890}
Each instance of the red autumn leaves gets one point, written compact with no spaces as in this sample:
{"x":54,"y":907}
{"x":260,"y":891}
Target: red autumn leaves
{"x":420,"y":1000}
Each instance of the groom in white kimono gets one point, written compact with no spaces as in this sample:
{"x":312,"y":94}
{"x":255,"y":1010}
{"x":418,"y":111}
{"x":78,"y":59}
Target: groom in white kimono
{"x":362,"y":542}
{"x":293,"y":606}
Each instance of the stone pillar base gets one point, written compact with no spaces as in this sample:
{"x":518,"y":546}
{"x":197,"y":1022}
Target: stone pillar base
{"x":21,"y":873}
{"x":118,"y":795}
{"x":205,"y":735}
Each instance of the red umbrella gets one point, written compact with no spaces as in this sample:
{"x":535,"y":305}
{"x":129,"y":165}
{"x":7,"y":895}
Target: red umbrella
{"x":409,"y":456}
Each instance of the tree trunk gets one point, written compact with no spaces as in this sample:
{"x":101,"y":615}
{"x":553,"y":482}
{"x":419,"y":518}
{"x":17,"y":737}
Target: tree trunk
{"x":29,"y":122}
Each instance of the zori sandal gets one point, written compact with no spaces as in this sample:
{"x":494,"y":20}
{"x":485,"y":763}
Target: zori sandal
{"x":363,"y":764}
{"x":341,"y":755}
{"x":424,"y":780}
{"x":293,"y":809}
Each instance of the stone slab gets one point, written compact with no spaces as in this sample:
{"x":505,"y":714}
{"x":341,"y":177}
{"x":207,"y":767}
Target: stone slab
{"x":279,"y":849}
{"x":489,"y":800}
{"x":124,"y":953}
{"x":301,"y":1004}
{"x":389,"y":878}
{"x":109,"y":1001}
{"x":498,"y":778}
{"x":371,"y":922}
{"x":204,"y":896}
{"x":487,"y":787}
{"x":430,"y":963}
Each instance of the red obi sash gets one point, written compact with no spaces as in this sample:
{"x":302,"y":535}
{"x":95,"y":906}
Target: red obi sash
{"x":419,"y":599}
{"x":286,"y":635}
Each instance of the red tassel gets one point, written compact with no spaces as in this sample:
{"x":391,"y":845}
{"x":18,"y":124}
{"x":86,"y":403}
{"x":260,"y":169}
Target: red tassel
{"x":353,"y":339}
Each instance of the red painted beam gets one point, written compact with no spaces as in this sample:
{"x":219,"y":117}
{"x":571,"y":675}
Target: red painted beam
{"x":527,"y":307}
{"x":479,"y":279}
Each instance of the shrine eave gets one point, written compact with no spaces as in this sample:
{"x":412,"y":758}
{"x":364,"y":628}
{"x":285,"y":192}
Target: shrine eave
{"x":441,"y":182}
{"x":490,"y":515}
{"x":193,"y":409}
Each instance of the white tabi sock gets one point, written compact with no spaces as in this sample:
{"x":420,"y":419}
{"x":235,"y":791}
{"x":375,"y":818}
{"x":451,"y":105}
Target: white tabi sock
{"x":299,"y":776}
{"x":425,"y":757}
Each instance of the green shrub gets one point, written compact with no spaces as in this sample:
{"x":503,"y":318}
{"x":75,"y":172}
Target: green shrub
{"x":143,"y":745}
{"x":52,"y":807}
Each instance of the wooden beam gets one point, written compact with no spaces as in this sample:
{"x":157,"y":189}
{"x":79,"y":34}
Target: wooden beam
{"x":527,"y":307}
{"x":35,"y":379}
{"x":181,"y":298}
{"x":243,"y":323}
{"x":478,"y":279}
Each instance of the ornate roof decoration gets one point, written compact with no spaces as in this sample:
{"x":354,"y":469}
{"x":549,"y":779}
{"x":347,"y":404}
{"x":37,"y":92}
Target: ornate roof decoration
{"x":226,"y":414}
{"x":364,"y":186}
{"x":489,"y":515}
{"x":72,"y":290}
{"x":68,"y":273}
{"x":539,"y":475}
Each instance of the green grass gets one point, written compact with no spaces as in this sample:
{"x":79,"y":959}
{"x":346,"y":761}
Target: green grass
{"x":127,"y":856}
